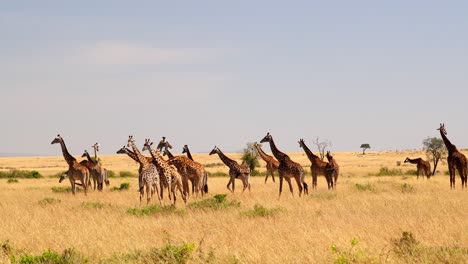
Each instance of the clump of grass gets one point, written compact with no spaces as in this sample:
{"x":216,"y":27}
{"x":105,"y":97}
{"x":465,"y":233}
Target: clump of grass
{"x":156,"y":209}
{"x":123,"y":187}
{"x":262,"y":211}
{"x":111,"y":174}
{"x":12,"y":180}
{"x":61,"y":189}
{"x":126,"y":174}
{"x":169,"y":253}
{"x":210,"y":165}
{"x":48,"y":200}
{"x":6,"y":247}
{"x":94,"y":205}
{"x":364,"y":187}
{"x":24,"y":174}
{"x":218,"y":201}
{"x":51,"y":257}
{"x":351,"y":254}
{"x":324,"y":195}
{"x":407,"y":188}
{"x":218,"y":174}
{"x":384,"y":171}
{"x":405,"y":244}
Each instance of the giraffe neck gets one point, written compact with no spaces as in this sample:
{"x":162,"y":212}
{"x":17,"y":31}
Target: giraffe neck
{"x":312,"y":157}
{"x":137,"y":153}
{"x":68,"y":158}
{"x":414,"y":161}
{"x":262,"y":154}
{"x":189,"y":155}
{"x":280,"y":156}
{"x":90,"y":159}
{"x":132,"y":155}
{"x":169,"y":154}
{"x":156,"y":157}
{"x":450,"y":147}
{"x":227,"y":161}
{"x":95,"y":153}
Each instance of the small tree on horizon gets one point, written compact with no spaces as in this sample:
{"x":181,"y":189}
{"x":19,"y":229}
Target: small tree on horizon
{"x":364,"y":147}
{"x":435,"y":151}
{"x":322,"y":146}
{"x":250,"y":157}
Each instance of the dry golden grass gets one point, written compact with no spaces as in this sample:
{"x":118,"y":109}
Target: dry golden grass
{"x":301,"y":230}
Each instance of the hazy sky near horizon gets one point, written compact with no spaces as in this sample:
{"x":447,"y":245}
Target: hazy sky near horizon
{"x":224,"y":73}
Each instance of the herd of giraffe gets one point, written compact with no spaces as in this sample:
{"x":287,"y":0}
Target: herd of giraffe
{"x":155,"y":173}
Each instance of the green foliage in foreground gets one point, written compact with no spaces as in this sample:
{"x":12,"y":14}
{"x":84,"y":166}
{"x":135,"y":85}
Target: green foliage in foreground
{"x":262,"y":211}
{"x":156,"y":209}
{"x":123,"y":187}
{"x":24,"y":174}
{"x":218,"y":201}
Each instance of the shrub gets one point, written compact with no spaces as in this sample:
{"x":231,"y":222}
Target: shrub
{"x":352,"y":254}
{"x":364,"y":187}
{"x":261,"y":211}
{"x":68,"y":256}
{"x":48,"y":200}
{"x":62,"y":189}
{"x":25,"y":174}
{"x":12,"y":180}
{"x":156,"y":209}
{"x":123,"y":186}
{"x":384,"y":171}
{"x":126,"y":174}
{"x":406,"y":244}
{"x":172,"y":254}
{"x":218,"y":201}
{"x":111,"y":174}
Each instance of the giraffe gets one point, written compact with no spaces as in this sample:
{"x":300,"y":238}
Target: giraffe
{"x":205,"y":177}
{"x":104,"y":171}
{"x":95,"y":170}
{"x":317,"y":167}
{"x":188,"y":169}
{"x":76,"y":171}
{"x":175,"y":181}
{"x":456,"y":160}
{"x":423,"y":167}
{"x":147,"y":174}
{"x":236,"y":171}
{"x":271,"y":164}
{"x":333,"y":166}
{"x":287,"y":168}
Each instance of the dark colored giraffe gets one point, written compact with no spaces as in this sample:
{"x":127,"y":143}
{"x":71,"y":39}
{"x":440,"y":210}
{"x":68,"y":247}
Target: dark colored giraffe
{"x":205,"y":178}
{"x":287,"y":168}
{"x":104,"y":171}
{"x":76,"y":171}
{"x":423,"y":167}
{"x":236,"y":171}
{"x":271,"y":164}
{"x":187,"y":150}
{"x":333,"y":166}
{"x":456,"y":160}
{"x":318,"y":167}
{"x":95,"y":170}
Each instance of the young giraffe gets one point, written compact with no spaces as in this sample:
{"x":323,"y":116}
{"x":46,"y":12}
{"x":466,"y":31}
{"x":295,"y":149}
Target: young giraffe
{"x":287,"y":169}
{"x":189,"y":170}
{"x":271,"y":164}
{"x":169,"y":171}
{"x":318,"y":167}
{"x":236,"y":171}
{"x":205,"y":177}
{"x":423,"y":167}
{"x":148,"y":174}
{"x":95,"y":170}
{"x":76,"y":171}
{"x":104,"y":171}
{"x":333,"y":166}
{"x":456,"y":160}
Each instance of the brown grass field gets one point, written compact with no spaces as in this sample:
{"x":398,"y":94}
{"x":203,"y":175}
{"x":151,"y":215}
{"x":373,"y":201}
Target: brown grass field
{"x":362,"y":221}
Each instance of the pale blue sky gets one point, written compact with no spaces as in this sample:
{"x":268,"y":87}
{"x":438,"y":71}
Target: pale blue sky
{"x":207,"y":73}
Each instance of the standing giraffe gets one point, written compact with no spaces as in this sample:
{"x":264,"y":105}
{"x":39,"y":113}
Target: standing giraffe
{"x":148,"y":174}
{"x":205,"y":177}
{"x":236,"y":171}
{"x":104,"y":171}
{"x":95,"y":170}
{"x":175,"y":181}
{"x":456,"y":160}
{"x":287,"y":168}
{"x":76,"y":171}
{"x":317,"y":167}
{"x":271,"y":164}
{"x":423,"y":167}
{"x":333,"y":166}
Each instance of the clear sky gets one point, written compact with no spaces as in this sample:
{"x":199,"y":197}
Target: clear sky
{"x":224,"y":73}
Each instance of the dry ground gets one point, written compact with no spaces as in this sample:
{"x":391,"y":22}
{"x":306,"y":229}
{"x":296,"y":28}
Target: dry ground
{"x":371,"y":210}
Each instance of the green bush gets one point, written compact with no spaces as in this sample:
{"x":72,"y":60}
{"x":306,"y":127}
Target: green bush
{"x":61,"y":189}
{"x":169,"y":254}
{"x":352,"y":254}
{"x":384,"y":171}
{"x":218,"y":201}
{"x":68,"y":256}
{"x":156,"y":209}
{"x":12,"y":180}
{"x":261,"y":211}
{"x":126,"y":174}
{"x":25,"y":174}
{"x":364,"y":187}
{"x":111,"y":174}
{"x":123,"y":187}
{"x":48,"y":200}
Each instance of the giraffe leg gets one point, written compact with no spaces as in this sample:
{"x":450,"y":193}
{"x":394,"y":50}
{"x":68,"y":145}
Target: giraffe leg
{"x":273,"y":175}
{"x":314,"y":180}
{"x":288,"y":180}
{"x":266,"y":175}
{"x":174,"y":192}
{"x":184,"y":197}
{"x":72,"y":182}
{"x":280,"y":185}
{"x":148,"y":193}
{"x":299,"y":185}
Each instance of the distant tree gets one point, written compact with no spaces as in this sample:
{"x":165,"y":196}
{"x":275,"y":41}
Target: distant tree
{"x":250,"y":157}
{"x":364,"y":147}
{"x":322,"y":146}
{"x":435,"y":150}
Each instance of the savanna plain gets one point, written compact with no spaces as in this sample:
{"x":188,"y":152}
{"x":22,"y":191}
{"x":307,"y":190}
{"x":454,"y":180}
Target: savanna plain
{"x":379,"y":213}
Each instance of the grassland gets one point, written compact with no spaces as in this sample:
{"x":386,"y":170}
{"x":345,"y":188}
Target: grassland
{"x":368,"y":219}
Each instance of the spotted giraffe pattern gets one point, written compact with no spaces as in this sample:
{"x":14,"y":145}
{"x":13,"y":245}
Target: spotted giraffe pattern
{"x":205,"y":177}
{"x":95,"y":170}
{"x":423,"y":167}
{"x":104,"y":172}
{"x":456,"y":160}
{"x":333,"y":165}
{"x":317,"y":167}
{"x":236,"y":171}
{"x":271,"y":164}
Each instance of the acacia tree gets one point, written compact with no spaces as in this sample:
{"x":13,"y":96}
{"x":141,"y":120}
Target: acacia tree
{"x":435,"y":150}
{"x":364,"y":147}
{"x":321,"y":146}
{"x":250,"y":157}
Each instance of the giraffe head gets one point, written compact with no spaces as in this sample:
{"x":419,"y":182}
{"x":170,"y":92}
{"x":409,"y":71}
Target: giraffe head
{"x":185,"y":149}
{"x":267,"y":138}
{"x":96,"y":146}
{"x":85,"y":153}
{"x":63,"y":177}
{"x":301,"y":143}
{"x":130,"y":141}
{"x":147,"y":145}
{"x":123,"y":150}
{"x":329,"y":156}
{"x":56,"y":140}
{"x":406,"y":160}
{"x":214,"y":151}
{"x":442,"y":129}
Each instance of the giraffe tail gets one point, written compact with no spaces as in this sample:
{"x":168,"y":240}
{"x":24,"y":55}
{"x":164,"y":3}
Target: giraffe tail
{"x":205,"y":182}
{"x":306,"y":188}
